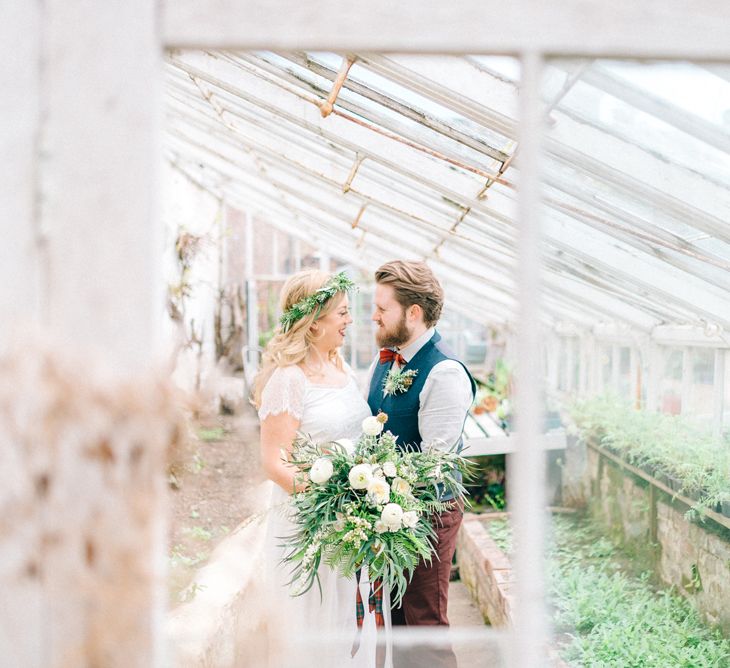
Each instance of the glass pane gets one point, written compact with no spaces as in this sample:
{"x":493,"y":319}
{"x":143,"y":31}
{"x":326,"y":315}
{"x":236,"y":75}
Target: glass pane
{"x":636,"y":485}
{"x":415,"y":161}
{"x":701,"y":395}
{"x":606,"y":367}
{"x":670,"y":391}
{"x":562,"y":365}
{"x":403,"y":167}
{"x":624,"y":373}
{"x":726,"y":407}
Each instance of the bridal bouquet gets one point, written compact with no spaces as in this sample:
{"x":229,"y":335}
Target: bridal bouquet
{"x":368,"y":504}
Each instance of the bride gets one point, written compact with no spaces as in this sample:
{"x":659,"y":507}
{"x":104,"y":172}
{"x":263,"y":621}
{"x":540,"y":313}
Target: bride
{"x":305,"y":386}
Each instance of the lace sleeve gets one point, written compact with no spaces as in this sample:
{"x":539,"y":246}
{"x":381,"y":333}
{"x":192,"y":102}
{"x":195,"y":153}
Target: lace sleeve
{"x":283,"y":393}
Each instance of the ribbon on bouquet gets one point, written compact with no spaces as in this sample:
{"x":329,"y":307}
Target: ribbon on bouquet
{"x":375,"y":606}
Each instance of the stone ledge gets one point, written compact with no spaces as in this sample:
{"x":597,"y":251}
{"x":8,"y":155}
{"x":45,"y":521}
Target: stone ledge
{"x":486,"y":571}
{"x":488,"y":575}
{"x":224,"y":625}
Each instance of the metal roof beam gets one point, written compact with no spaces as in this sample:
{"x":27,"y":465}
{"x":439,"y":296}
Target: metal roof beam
{"x":629,"y":184}
{"x":289,"y":191}
{"x":664,"y":110}
{"x":462,"y":156}
{"x":305,"y":199}
{"x":389,"y":102}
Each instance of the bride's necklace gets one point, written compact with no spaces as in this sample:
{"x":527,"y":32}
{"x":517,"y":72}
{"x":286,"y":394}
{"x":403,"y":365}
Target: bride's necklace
{"x":316,"y":372}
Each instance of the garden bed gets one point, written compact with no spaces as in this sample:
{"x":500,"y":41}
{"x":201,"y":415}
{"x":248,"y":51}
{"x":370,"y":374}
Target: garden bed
{"x":683,"y":548}
{"x":677,"y":454}
{"x":605,"y":610}
{"x":211,"y":479}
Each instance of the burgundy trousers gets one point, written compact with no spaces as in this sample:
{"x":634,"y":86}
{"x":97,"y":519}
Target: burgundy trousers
{"x":426,"y":598}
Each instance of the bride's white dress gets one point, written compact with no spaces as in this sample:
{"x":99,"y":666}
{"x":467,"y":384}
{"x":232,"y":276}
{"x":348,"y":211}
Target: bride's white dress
{"x":313,"y":629}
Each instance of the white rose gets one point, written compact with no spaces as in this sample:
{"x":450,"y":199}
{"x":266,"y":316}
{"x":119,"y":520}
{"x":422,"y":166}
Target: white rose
{"x":401,"y":486}
{"x":347,"y":444}
{"x":321,"y":471}
{"x":380,"y":526}
{"x":410,"y":518}
{"x":389,"y":469}
{"x":378,"y":491}
{"x":392,"y":515}
{"x":360,"y":476}
{"x":372,"y":426}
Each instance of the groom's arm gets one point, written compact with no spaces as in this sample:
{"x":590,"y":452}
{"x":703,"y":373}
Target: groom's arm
{"x":444,"y":402}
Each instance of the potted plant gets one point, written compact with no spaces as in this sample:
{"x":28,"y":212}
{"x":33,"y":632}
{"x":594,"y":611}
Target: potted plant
{"x":493,"y":395}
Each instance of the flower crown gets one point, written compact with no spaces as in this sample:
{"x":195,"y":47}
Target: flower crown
{"x":338,"y":283}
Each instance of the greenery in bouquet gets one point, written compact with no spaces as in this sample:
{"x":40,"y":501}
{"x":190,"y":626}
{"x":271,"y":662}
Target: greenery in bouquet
{"x":370,"y":504}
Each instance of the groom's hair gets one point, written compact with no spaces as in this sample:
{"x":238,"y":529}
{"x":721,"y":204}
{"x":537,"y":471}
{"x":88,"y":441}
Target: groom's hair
{"x":414,"y":283}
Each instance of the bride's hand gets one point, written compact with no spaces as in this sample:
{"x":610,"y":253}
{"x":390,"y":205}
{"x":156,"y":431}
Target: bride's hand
{"x":277,"y":434}
{"x":301,"y":482}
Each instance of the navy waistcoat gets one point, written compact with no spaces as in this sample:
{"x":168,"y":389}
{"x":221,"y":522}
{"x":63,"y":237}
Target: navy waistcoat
{"x":402,"y":408}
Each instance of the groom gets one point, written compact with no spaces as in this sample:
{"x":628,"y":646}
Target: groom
{"x":430,"y":411}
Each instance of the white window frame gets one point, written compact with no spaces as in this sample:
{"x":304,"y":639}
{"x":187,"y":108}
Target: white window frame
{"x":59,"y":108}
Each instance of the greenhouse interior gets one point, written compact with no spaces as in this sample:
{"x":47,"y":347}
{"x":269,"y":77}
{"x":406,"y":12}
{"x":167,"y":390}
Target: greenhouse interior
{"x":278,"y":162}
{"x":376,"y":335}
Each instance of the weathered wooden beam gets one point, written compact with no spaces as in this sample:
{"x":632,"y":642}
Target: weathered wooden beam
{"x":527,"y":480}
{"x":20,"y":110}
{"x":654,"y":28}
{"x":82,"y":497}
{"x":717,"y":517}
{"x":81,"y":450}
{"x":687,"y":122}
{"x":100,"y":143}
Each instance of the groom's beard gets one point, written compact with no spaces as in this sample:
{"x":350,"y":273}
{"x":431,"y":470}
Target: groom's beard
{"x":397,"y":336}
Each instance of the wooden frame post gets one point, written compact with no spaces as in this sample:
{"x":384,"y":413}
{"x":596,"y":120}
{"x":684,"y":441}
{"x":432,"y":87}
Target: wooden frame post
{"x":83,"y":551}
{"x":528,"y":472}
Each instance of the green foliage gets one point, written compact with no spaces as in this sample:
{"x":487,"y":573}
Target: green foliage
{"x":398,"y":381}
{"x":197,"y":465}
{"x":179,"y":558}
{"x":487,"y":486}
{"x":608,"y":617}
{"x":670,"y":445}
{"x":498,"y":381}
{"x":188,"y":594}
{"x":493,"y":394}
{"x":265,"y":337}
{"x":198,"y":532}
{"x":208,"y":434}
{"x":346,"y":527}
{"x":501,"y":533}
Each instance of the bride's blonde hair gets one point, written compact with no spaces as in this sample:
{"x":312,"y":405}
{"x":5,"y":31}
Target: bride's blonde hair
{"x":291,"y":347}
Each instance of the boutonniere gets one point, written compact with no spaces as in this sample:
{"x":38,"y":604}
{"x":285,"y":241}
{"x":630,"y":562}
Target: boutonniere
{"x":398,"y":381}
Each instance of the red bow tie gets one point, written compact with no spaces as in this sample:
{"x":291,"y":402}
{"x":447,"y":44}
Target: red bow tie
{"x":387,"y":355}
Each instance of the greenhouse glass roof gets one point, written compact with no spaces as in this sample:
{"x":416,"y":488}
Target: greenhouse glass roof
{"x":419,"y":159}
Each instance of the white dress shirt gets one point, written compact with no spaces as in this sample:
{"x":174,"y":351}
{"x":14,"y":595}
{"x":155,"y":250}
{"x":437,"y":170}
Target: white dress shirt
{"x":444,"y":400}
